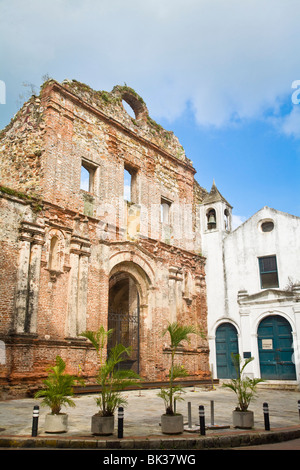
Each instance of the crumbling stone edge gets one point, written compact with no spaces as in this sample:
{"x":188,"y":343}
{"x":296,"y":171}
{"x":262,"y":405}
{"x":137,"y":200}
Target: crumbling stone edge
{"x":189,"y":443}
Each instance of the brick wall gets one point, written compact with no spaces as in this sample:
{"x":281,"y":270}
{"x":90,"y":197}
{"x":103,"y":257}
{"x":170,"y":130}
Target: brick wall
{"x":43,"y":150}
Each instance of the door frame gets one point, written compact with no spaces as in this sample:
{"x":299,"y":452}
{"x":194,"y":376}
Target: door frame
{"x":275,"y":347}
{"x":228,"y":349}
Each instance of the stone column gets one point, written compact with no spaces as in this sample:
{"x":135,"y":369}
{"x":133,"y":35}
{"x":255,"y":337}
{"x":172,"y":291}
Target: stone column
{"x":33,"y":286}
{"x":78,"y":283}
{"x":82,"y":292}
{"x":73,"y":295}
{"x":22,"y":287}
{"x":31,"y":241}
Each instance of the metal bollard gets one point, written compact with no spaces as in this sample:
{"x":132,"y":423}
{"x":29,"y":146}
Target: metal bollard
{"x":266,"y":416}
{"x":189,"y":414}
{"x":120,"y":421}
{"x":299,"y":407}
{"x":35,"y":420}
{"x":202,"y":420}
{"x":212,"y":413}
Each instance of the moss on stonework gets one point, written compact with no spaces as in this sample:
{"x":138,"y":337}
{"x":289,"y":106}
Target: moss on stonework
{"x":13,"y":192}
{"x":34,"y":201}
{"x":121,"y":89}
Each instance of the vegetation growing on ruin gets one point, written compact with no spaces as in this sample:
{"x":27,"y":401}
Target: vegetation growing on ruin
{"x":35,"y":202}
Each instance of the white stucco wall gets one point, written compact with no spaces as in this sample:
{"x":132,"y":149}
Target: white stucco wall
{"x":236,"y":259}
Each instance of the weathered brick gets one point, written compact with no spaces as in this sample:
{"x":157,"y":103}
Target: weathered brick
{"x":64,"y":248}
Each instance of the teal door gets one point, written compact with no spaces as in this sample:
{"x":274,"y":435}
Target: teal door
{"x":226,"y":343}
{"x":275,"y":345}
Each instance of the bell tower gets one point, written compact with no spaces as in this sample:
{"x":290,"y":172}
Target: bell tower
{"x":216,"y":213}
{"x":216,"y":224}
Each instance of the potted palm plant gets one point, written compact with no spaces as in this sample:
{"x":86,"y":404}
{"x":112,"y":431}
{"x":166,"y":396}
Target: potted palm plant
{"x":172,"y":422}
{"x":245,"y":390}
{"x":112,"y":380}
{"x":58,"y":389}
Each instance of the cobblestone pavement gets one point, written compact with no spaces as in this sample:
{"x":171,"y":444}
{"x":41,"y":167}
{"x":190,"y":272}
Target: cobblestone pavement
{"x":142,"y":415}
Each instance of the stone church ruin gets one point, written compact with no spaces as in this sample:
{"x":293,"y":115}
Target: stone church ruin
{"x":99,"y":226}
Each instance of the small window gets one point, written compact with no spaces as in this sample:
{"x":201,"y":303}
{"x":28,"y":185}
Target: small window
{"x":268,"y":272}
{"x":165,"y":207}
{"x":130,"y":190}
{"x":267,"y":226}
{"x":127,"y":185}
{"x":87,"y":177}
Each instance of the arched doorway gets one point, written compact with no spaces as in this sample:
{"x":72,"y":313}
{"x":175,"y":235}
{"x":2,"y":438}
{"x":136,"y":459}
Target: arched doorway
{"x":275,"y":345}
{"x":226,"y":344}
{"x":124,"y":317}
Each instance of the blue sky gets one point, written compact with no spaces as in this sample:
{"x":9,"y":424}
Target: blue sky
{"x":218,"y":73}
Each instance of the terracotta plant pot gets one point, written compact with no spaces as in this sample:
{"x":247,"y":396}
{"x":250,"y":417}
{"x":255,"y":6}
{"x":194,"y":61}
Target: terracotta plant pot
{"x":172,"y":424}
{"x":102,"y":425}
{"x":243,"y":419}
{"x":56,"y":423}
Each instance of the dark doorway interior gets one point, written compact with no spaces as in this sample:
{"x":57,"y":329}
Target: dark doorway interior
{"x":123,"y":317}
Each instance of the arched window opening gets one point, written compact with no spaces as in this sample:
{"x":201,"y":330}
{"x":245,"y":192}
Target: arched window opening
{"x":129,"y":110}
{"x":211,"y":219}
{"x":226,"y":219}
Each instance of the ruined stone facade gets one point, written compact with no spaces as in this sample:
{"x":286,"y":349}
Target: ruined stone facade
{"x":75,"y":254}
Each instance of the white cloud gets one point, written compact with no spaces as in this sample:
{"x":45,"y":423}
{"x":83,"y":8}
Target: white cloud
{"x":231,"y":60}
{"x":289,"y":124}
{"x":237,"y":220}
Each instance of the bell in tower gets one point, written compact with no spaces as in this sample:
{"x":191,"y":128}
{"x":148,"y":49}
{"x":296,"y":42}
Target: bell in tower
{"x":211,"y":219}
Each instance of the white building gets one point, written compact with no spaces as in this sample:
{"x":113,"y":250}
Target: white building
{"x":253,"y":290}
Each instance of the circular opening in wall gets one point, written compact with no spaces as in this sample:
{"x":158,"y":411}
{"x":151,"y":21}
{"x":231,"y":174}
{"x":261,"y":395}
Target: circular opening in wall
{"x":267,"y":226}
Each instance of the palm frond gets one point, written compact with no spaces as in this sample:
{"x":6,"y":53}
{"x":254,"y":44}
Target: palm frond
{"x":58,"y":387}
{"x":243,"y":387}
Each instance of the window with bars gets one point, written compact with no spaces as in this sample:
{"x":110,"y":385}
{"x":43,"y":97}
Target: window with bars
{"x":268,"y":272}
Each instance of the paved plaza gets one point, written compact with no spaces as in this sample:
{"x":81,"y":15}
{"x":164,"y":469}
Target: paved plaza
{"x":142,"y":414}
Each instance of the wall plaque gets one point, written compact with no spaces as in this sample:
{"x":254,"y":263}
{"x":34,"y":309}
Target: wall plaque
{"x":267,"y":344}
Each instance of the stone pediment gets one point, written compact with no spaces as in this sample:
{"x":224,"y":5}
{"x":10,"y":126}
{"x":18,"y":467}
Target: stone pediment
{"x":265,"y":296}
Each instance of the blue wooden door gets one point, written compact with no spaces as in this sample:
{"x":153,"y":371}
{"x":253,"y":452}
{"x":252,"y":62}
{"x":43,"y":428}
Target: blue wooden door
{"x":275,"y":345}
{"x":226,"y":343}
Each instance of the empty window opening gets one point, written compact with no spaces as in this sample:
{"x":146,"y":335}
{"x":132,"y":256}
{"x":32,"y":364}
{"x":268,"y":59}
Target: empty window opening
{"x":87,"y":177}
{"x":165,"y":208}
{"x":128,"y":109}
{"x":268,"y":272}
{"x":211,"y":219}
{"x":130,"y":190}
{"x":127,"y":185}
{"x":226,"y":219}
